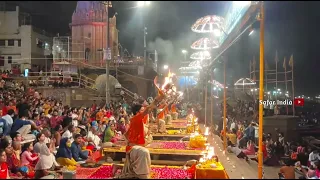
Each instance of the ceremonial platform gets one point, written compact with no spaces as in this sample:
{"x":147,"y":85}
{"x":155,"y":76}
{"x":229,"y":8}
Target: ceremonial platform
{"x":106,"y":171}
{"x":164,"y":150}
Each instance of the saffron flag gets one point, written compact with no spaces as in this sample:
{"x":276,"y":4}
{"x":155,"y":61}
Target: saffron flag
{"x":291,"y":61}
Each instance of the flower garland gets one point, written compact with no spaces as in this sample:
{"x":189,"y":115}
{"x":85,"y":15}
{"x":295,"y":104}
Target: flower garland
{"x":197,"y":141}
{"x":209,"y":164}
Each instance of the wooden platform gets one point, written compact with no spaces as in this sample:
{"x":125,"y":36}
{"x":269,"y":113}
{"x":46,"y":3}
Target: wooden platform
{"x":173,"y":126}
{"x":156,"y":151}
{"x":179,"y":121}
{"x":171,"y":137}
{"x":176,"y":126}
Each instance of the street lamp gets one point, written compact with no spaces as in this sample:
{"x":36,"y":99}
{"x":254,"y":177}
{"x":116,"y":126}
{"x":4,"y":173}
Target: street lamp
{"x":143,"y":3}
{"x":184,"y":52}
{"x":251,"y":31}
{"x":217,"y":32}
{"x":241,"y":3}
{"x":165,"y":67}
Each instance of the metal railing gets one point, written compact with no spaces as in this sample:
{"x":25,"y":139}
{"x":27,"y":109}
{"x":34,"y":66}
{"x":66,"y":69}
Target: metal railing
{"x":101,"y":64}
{"x":68,"y":79}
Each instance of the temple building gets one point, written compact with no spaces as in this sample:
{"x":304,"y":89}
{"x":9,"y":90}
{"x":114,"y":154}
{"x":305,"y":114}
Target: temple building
{"x":88,"y":27}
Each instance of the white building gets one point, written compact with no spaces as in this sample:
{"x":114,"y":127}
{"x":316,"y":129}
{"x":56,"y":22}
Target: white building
{"x":22,"y":45}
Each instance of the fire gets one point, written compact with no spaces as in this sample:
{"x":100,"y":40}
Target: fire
{"x":167,"y":80}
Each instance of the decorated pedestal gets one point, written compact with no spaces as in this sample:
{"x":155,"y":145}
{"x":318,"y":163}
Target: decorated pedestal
{"x":212,"y":170}
{"x":174,"y":116}
{"x":197,"y":141}
{"x":209,"y":167}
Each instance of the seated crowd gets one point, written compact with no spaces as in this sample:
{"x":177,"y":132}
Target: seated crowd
{"x":40,"y":135}
{"x":242,"y":138}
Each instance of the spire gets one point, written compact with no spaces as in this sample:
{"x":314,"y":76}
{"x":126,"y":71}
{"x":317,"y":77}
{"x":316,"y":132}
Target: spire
{"x":90,"y":5}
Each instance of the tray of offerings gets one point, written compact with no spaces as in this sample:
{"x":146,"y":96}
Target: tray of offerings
{"x":157,"y":172}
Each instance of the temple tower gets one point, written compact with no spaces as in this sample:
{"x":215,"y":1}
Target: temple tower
{"x":89,"y":22}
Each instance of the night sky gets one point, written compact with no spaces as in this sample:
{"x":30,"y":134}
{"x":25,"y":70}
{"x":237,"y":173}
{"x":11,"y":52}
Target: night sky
{"x":291,"y":28}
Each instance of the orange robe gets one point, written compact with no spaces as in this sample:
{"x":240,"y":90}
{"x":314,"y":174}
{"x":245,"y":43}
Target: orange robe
{"x":135,"y":133}
{"x":173,"y":108}
{"x":146,"y":119}
{"x":161,"y":115}
{"x":166,"y":110}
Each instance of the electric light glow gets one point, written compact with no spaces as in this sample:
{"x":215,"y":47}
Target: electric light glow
{"x":205,"y":44}
{"x":202,"y":55}
{"x":207,"y":24}
{"x":216,"y":83}
{"x":244,"y":82}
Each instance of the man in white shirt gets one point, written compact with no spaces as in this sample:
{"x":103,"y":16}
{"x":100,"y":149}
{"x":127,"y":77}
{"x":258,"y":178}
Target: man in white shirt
{"x":8,"y":118}
{"x":49,"y":114}
{"x":69,"y":133}
{"x":93,"y":138}
{"x":314,"y":157}
{"x":237,"y":151}
{"x":233,"y":125}
{"x":74,"y":117}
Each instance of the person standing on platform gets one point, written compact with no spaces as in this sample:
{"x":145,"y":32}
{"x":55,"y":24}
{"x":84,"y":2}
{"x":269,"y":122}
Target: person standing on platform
{"x":138,"y":162}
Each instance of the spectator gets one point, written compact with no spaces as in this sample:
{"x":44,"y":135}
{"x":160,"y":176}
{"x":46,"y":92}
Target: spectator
{"x":77,"y":153}
{"x":8,"y":117}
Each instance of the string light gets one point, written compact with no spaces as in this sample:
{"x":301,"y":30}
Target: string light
{"x":202,"y":55}
{"x":205,"y":44}
{"x":244,"y":82}
{"x":207,"y":24}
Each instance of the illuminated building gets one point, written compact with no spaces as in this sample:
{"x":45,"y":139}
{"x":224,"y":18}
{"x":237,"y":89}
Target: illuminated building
{"x":89,"y":32}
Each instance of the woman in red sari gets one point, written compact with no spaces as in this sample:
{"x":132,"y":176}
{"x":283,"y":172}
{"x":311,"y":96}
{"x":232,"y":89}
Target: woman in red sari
{"x":4,"y":171}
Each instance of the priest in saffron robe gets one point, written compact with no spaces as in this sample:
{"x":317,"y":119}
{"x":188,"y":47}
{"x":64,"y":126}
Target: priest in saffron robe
{"x":138,"y":162}
{"x":161,"y":114}
{"x":173,"y":108}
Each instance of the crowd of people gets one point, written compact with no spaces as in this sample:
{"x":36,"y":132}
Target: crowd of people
{"x":40,"y":134}
{"x":242,"y":136}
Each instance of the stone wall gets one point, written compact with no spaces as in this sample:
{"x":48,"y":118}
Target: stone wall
{"x":74,"y":97}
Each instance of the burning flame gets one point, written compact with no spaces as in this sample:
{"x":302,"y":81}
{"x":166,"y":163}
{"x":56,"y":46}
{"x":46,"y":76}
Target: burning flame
{"x":210,"y":152}
{"x":167,"y":80}
{"x":206,"y":133}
